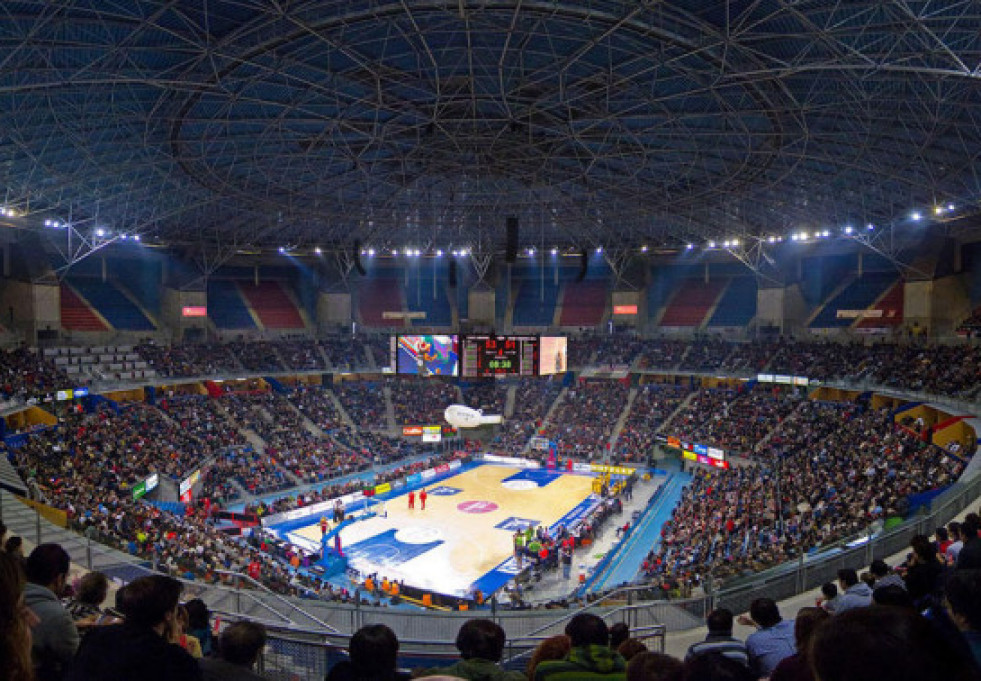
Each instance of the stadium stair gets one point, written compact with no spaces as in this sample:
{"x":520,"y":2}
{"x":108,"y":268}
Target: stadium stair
{"x":390,"y":411}
{"x":509,"y":401}
{"x":77,"y":314}
{"x":791,"y":417}
{"x":631,"y":396}
{"x":10,"y":479}
{"x":681,"y":407}
{"x":112,"y":304}
{"x":272,"y":305}
{"x":691,"y":302}
{"x":226,"y":307}
{"x":556,"y":403}
{"x":891,"y":304}
{"x":345,"y":417}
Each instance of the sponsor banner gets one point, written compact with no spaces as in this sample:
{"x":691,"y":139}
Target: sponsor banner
{"x":317,"y":509}
{"x":382,"y":488}
{"x":442,"y":468}
{"x":701,"y":450}
{"x":409,"y":431}
{"x":615,"y":470}
{"x":432,"y":434}
{"x":454,"y":465}
{"x":413,"y":479}
{"x":189,"y":481}
{"x":624,"y":309}
{"x":674,"y":442}
{"x":582,"y":467}
{"x":855,"y":314}
{"x":577,"y":514}
{"x":428,"y":474}
{"x":139,"y":490}
{"x":152,"y":482}
{"x":194,"y":311}
{"x":510,"y":461}
{"x":716,"y":453}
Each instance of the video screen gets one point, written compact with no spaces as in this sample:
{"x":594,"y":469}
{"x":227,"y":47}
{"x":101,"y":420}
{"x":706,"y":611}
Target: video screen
{"x":427,"y":355}
{"x":553,"y":355}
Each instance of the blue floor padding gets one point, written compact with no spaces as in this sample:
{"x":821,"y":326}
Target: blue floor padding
{"x":647,"y":535}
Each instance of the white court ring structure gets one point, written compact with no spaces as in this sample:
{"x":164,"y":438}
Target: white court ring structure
{"x":418,"y":534}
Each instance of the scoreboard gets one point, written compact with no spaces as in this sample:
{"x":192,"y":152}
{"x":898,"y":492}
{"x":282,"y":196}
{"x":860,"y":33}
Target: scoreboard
{"x":486,"y":356}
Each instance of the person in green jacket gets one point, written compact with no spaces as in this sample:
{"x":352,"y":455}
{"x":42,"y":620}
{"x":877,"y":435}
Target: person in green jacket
{"x":481,"y":643}
{"x":590,"y":658}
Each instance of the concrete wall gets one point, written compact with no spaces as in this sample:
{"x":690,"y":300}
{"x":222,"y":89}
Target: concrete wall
{"x":784,"y":308}
{"x":481,"y":306}
{"x":172,"y":304}
{"x":938,"y":306}
{"x":627,"y":298}
{"x":26,"y":308}
{"x":333,"y":309}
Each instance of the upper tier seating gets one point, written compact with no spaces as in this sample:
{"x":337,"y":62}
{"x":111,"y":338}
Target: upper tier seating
{"x":226,"y":308}
{"x":420,"y":299}
{"x":76,"y":315}
{"x":377,"y":296}
{"x":891,"y":306}
{"x":737,"y":307}
{"x":692,"y":301}
{"x":532,"y":307}
{"x":583,"y":303}
{"x":272,"y":305}
{"x":858,"y":295}
{"x":121,"y":312}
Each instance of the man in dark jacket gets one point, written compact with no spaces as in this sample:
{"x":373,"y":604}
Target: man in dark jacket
{"x":481,"y":644}
{"x":238,"y":650}
{"x":138,"y":648}
{"x":55,"y":638}
{"x":590,"y":658}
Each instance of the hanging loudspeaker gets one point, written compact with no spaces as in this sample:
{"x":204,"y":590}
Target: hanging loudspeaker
{"x":452,"y":274}
{"x":356,"y":256}
{"x":583,"y":265}
{"x":511,"y":245}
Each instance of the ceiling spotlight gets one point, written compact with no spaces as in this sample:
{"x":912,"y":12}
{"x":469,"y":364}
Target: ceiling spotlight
{"x":136,"y":237}
{"x":950,"y":206}
{"x":772,"y":240}
{"x":711,"y":244}
{"x":725,"y":244}
{"x":465,"y":252}
{"x":395,"y":251}
{"x":599,"y":249}
{"x":555,"y":251}
{"x":735,"y":242}
{"x":47,"y":223}
{"x":916,"y":216}
{"x":282,"y":249}
{"x":643,"y":249}
{"x":849,"y":229}
{"x":318,"y":251}
{"x":870,"y":226}
{"x":439,"y":253}
{"x":100,"y":232}
{"x":795,"y":237}
{"x":938,"y":210}
{"x":691,"y":246}
{"x":371,"y":252}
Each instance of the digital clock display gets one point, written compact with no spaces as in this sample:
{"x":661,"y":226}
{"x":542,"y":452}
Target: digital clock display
{"x":486,"y":356}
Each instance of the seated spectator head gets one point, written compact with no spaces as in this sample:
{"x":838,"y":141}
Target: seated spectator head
{"x":48,"y":566}
{"x":14,"y":546}
{"x":765,"y":612}
{"x":481,"y":639}
{"x":586,"y":629}
{"x":963,"y":599}
{"x":648,"y":666}
{"x":630,"y":648}
{"x":805,"y":624}
{"x":93,"y":588}
{"x":16,"y":621}
{"x":970,"y":527}
{"x":552,"y":648}
{"x":619,"y":633}
{"x":885,"y":644}
{"x":829,"y":590}
{"x":719,"y":622}
{"x":893,"y":595}
{"x":714,"y":666}
{"x":151,"y":602}
{"x":198,"y":615}
{"x":923,"y":550}
{"x":374,"y":649}
{"x":941,"y":534}
{"x":847,"y":577}
{"x":879,"y":568}
{"x":240,"y":643}
{"x":954,"y":528}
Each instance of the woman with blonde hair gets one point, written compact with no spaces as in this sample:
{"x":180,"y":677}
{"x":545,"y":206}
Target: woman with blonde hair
{"x":16,"y":620}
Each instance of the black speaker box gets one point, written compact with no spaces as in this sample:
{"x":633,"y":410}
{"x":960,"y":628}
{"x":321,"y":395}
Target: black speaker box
{"x":511,"y":245}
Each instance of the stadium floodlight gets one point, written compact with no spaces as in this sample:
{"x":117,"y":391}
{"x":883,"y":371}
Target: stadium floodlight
{"x":99,"y":232}
{"x":318,"y":251}
{"x":371,"y":252}
{"x":691,"y":246}
{"x":439,"y":252}
{"x":916,"y":215}
{"x":735,"y":242}
{"x":643,"y":249}
{"x":870,"y":226}
{"x":395,"y":251}
{"x":599,"y":249}
{"x":282,"y":249}
{"x":465,"y":252}
{"x":938,"y":210}
{"x":848,"y":229}
{"x":136,"y":237}
{"x":555,"y":251}
{"x":711,"y":244}
{"x":950,"y":206}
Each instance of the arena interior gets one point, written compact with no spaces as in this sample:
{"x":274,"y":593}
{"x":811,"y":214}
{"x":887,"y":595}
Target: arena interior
{"x":741,"y":242}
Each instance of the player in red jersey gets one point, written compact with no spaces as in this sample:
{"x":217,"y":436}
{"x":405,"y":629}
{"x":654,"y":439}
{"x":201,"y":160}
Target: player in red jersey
{"x":412,"y":500}
{"x":422,"y":498}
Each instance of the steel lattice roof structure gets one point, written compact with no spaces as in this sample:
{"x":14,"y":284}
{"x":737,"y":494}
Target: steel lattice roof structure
{"x":258,"y":123}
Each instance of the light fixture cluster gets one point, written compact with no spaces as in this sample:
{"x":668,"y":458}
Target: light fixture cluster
{"x":8,"y":212}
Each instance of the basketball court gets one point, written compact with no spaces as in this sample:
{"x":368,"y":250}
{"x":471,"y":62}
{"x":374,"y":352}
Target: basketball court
{"x":464,"y":537}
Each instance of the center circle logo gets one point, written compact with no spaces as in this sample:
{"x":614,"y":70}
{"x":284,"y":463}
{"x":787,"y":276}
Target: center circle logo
{"x":477,"y":506}
{"x":519,"y":485}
